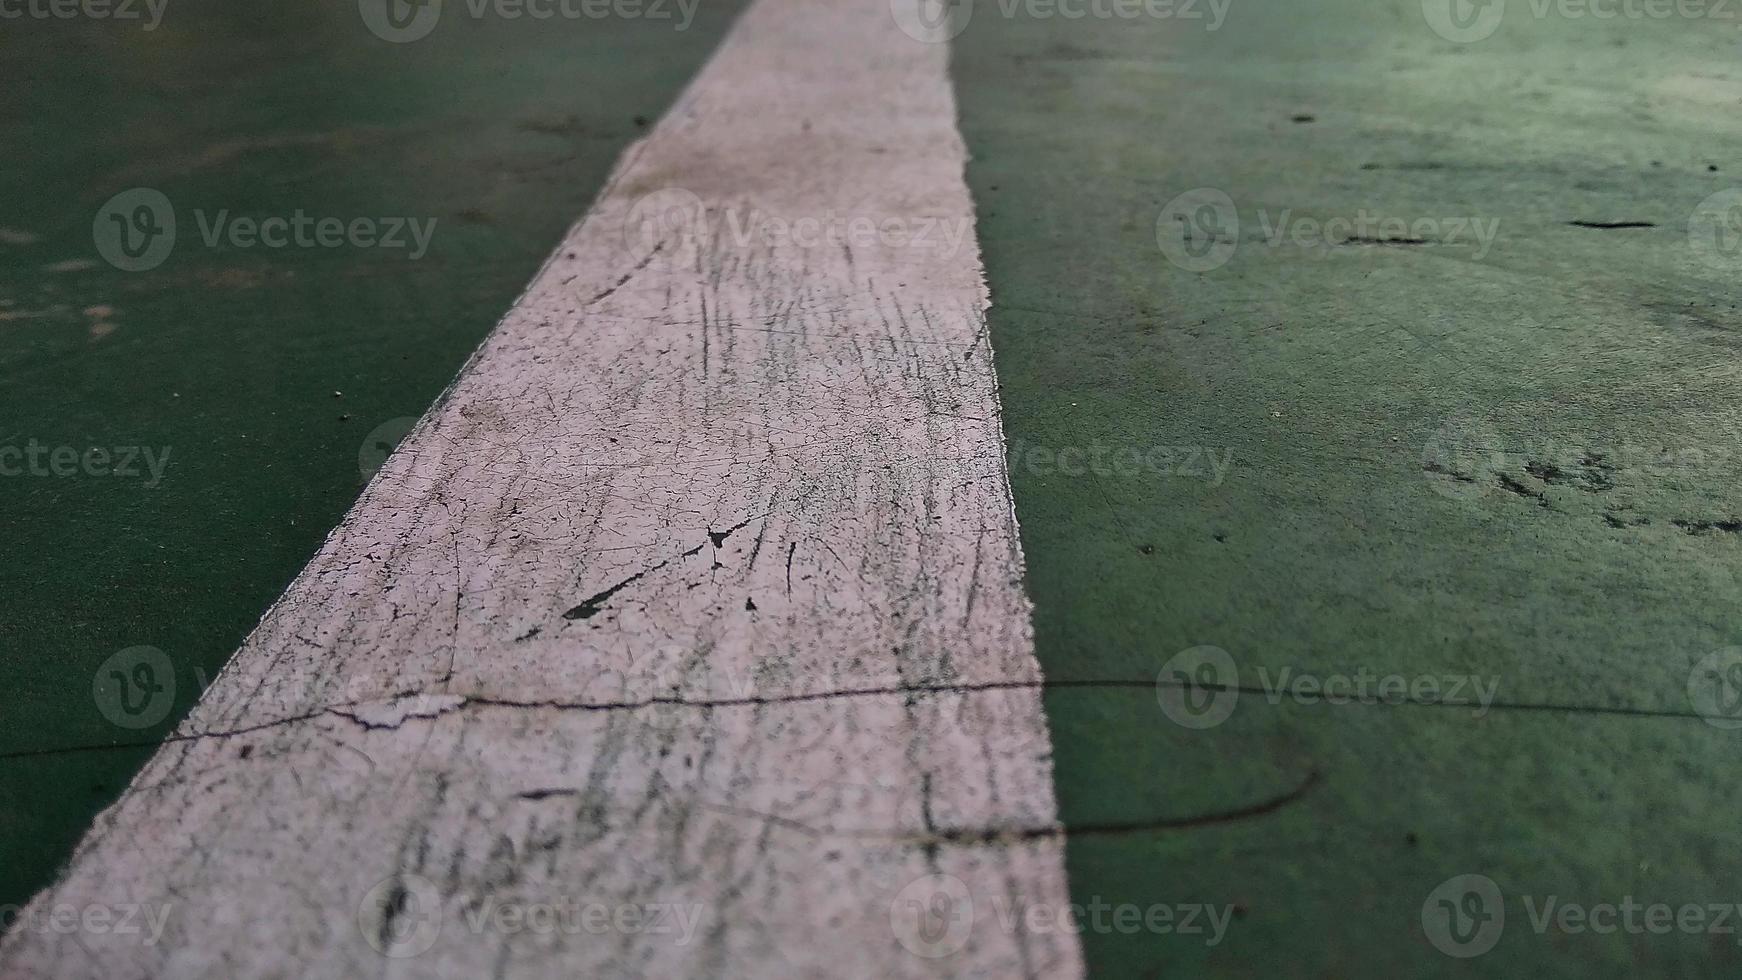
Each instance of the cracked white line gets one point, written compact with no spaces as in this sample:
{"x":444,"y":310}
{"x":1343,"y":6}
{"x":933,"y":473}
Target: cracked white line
{"x":778,"y":301}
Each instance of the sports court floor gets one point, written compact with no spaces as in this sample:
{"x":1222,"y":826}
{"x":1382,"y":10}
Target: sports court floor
{"x":884,"y":488}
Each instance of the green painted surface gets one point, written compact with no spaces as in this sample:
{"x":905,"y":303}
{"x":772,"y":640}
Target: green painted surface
{"x":229,"y":358}
{"x":1447,"y":460}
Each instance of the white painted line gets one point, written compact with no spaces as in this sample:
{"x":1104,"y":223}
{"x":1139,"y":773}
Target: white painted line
{"x":675,"y":640}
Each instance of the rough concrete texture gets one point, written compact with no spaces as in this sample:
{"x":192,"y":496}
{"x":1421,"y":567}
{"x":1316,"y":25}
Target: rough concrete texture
{"x":1511,"y":458}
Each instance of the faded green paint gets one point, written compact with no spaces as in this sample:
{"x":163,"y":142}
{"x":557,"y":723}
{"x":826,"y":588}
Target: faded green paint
{"x":499,"y":131}
{"x":1536,"y":542}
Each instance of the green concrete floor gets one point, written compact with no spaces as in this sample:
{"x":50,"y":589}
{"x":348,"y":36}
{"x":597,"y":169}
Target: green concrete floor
{"x":229,"y":358}
{"x":1513,"y":462}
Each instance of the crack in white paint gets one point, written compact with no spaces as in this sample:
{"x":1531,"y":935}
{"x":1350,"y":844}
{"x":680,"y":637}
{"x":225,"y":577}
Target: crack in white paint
{"x":716,"y":453}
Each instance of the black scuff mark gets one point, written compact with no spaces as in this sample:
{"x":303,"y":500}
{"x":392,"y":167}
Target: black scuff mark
{"x":756,"y":549}
{"x":1546,"y":472}
{"x":1439,"y":469}
{"x":1261,"y":808}
{"x":1387,"y":240}
{"x":391,"y":912}
{"x":594,"y":604}
{"x":1593,"y":473}
{"x":1512,"y":484}
{"x":907,"y":691}
{"x":719,"y":537}
{"x":925,"y":814}
{"x":985,"y":324}
{"x":545,"y":794}
{"x":932,"y":838}
{"x":1698,"y":528}
{"x":1611,"y":225}
{"x":624,"y":279}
